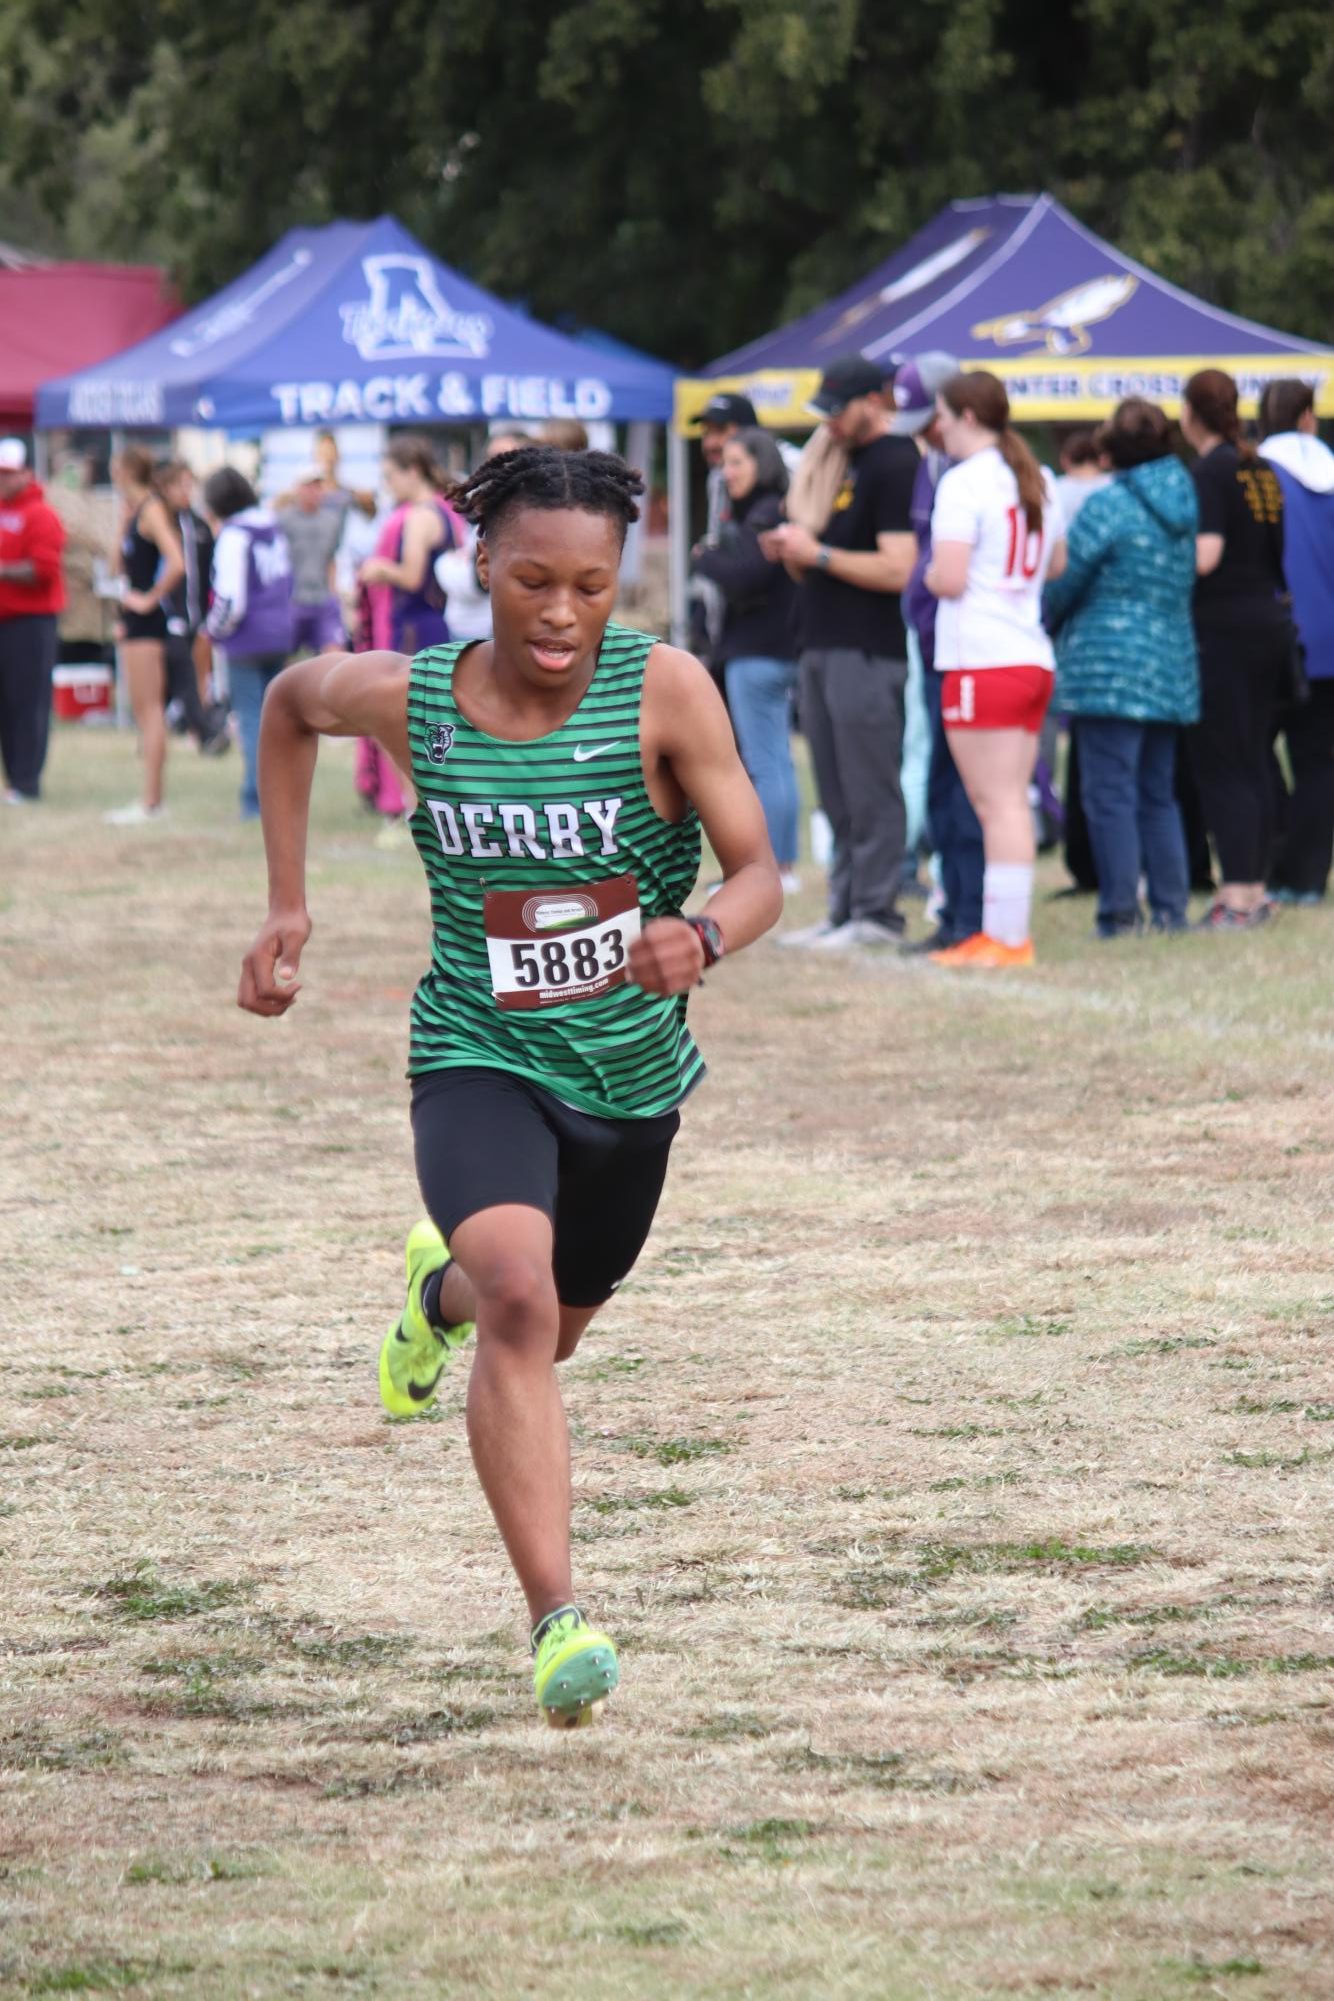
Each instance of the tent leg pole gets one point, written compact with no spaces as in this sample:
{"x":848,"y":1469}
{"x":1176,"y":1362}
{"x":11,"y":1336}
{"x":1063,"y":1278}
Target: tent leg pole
{"x":678,"y":532}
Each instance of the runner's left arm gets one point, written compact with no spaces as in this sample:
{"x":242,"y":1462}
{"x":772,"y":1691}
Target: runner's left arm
{"x":331,"y":694}
{"x":690,"y":737}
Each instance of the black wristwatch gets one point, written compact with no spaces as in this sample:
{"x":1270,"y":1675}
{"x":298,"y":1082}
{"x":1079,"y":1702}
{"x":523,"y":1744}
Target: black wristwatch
{"x":710,"y":937}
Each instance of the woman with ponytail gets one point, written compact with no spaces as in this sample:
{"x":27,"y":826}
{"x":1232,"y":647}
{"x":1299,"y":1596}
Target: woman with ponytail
{"x":995,"y":536}
{"x":1245,"y":637}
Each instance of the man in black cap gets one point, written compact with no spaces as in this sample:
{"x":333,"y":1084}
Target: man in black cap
{"x":854,"y":662}
{"x":721,"y":418}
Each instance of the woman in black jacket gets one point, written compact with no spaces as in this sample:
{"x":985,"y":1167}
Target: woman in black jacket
{"x":758,"y":642}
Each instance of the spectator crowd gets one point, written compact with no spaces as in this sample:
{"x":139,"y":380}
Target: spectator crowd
{"x":926,"y":602}
{"x":937,"y":604}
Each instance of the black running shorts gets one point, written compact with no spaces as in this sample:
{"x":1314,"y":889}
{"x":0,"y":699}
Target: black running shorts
{"x":484,"y":1138}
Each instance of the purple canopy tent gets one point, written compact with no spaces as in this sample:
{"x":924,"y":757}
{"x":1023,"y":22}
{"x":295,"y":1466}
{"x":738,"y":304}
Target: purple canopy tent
{"x":1015,"y":284}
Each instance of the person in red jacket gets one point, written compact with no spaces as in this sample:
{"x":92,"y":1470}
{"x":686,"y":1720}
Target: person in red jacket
{"x":32,"y":592}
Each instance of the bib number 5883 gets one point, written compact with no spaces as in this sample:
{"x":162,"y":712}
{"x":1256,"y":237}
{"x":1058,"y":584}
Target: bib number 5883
{"x":562,"y":962}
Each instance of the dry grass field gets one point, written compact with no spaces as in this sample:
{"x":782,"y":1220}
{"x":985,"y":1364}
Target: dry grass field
{"x":955,"y":1472}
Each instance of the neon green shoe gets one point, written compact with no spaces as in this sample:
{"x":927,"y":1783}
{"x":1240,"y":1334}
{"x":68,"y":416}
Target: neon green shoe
{"x":574,"y":1669}
{"x":414,"y":1354}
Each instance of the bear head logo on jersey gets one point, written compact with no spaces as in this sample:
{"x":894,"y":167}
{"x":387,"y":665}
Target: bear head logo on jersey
{"x":439,"y":742}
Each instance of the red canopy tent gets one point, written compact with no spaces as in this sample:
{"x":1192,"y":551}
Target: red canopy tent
{"x":56,"y":318}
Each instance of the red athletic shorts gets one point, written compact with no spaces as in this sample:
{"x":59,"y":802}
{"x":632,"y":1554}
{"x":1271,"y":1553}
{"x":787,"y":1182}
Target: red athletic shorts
{"x":996,"y":698}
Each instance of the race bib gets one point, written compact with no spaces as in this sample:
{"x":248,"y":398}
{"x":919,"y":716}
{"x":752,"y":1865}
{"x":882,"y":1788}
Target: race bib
{"x":551,"y":946}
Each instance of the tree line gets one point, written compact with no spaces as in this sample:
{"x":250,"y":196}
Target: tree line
{"x":685,"y":174}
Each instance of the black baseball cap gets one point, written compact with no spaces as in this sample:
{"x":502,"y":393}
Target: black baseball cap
{"x":850,"y":376}
{"x":727,"y":408}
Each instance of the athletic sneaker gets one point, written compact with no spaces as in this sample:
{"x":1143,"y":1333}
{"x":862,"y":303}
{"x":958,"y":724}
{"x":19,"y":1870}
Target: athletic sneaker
{"x":809,"y":935}
{"x":574,"y":1667}
{"x":1221,"y":917}
{"x":1298,"y":899}
{"x":935,"y":941}
{"x":984,"y":954}
{"x":856,"y":932}
{"x":414,"y":1353}
{"x":137,"y":815}
{"x":789,"y":881}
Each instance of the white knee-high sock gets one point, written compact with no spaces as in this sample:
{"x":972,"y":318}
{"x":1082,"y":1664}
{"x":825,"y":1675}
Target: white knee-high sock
{"x":1007,"y":901}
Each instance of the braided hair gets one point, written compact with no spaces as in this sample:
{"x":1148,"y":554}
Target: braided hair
{"x":543,"y":477}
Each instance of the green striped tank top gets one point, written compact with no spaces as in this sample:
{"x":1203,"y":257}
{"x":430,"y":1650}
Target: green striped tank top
{"x":537,"y":856}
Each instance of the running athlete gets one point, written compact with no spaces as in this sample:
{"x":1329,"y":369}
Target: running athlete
{"x":563,"y":772}
{"x":995,"y":538}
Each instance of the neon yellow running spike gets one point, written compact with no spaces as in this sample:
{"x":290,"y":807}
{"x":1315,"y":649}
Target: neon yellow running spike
{"x":414,"y":1355}
{"x":574,"y":1670}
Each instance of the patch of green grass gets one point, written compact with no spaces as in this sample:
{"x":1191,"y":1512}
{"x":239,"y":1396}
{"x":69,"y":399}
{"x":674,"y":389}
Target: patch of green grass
{"x":889,"y":1771}
{"x":432,"y":1725}
{"x":357,"y":1650}
{"x":959,"y":1431}
{"x":663,"y":1497}
{"x":1319,"y":1413}
{"x":730,"y":1726}
{"x":1202,"y":1970}
{"x":681,"y":1258}
{"x":20,"y":1441}
{"x":1165,"y":1344}
{"x":42,"y":1392}
{"x":1226,"y":1667}
{"x":213,"y":1866}
{"x":660,"y":1931}
{"x":1281,"y":1462}
{"x":1099,"y":1617}
{"x":38,"y":1750}
{"x":139,"y":1593}
{"x":676,"y":1451}
{"x":611,"y":1366}
{"x":766,"y":1840}
{"x":872,"y":1589}
{"x":102,"y":1976}
{"x":1028,"y":1326}
{"x":938,"y":1560}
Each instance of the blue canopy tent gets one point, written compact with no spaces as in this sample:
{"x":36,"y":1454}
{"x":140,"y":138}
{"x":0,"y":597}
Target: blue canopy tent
{"x":355,"y":322}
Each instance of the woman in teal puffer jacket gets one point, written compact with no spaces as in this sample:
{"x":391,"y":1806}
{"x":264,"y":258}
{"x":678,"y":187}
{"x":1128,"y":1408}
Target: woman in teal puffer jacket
{"x":1127,"y":672}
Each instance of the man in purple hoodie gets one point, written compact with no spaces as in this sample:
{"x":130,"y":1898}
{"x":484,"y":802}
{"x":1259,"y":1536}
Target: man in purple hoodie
{"x":954,"y":831}
{"x":1305,"y":469}
{"x":251,"y":613}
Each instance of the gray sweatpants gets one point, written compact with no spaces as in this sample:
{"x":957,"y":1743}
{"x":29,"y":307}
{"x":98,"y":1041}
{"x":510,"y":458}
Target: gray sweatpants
{"x":852,"y":718}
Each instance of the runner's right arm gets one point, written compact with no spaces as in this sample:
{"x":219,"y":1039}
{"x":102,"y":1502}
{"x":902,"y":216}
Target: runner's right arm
{"x":332,"y":694}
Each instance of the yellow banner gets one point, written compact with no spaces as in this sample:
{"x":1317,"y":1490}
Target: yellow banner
{"x":1042,"y":390}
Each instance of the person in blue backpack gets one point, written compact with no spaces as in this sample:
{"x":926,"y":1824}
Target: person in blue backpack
{"x":1126,"y":666}
{"x":1305,"y":469}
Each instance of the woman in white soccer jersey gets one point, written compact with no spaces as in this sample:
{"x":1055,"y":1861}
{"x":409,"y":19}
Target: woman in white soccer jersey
{"x":995,"y":539}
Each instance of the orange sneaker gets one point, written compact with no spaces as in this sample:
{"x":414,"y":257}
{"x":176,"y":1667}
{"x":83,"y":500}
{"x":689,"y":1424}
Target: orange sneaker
{"x":987,"y":954}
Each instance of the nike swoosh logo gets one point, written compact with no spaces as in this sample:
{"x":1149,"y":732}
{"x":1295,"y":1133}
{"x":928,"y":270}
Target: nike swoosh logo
{"x":581,"y":756}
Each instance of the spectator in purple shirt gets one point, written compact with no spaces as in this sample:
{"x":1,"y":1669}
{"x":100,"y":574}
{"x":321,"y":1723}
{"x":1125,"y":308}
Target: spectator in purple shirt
{"x":251,"y":613}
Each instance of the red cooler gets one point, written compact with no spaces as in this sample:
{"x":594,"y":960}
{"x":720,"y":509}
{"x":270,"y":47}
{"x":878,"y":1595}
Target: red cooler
{"x":80,"y":691}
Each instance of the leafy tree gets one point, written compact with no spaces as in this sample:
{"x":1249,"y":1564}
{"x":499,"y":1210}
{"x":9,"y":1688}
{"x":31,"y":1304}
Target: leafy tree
{"x":685,"y":173}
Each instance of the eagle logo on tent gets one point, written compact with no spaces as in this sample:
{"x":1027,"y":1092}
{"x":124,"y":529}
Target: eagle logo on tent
{"x":1062,"y":325}
{"x":407,"y":317}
